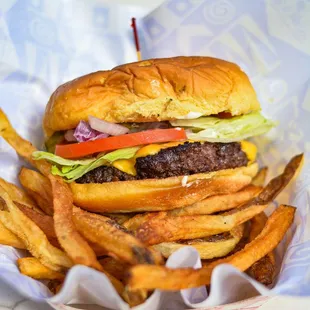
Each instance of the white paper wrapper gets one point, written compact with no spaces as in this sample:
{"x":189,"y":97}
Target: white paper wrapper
{"x":45,"y":43}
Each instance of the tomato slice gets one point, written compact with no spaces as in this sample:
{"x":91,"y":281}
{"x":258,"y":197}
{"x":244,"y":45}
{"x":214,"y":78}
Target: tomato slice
{"x":118,"y":142}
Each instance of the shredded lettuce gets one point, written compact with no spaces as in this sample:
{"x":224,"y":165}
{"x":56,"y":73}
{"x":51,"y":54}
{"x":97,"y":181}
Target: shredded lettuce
{"x":237,"y":128}
{"x":71,"y":170}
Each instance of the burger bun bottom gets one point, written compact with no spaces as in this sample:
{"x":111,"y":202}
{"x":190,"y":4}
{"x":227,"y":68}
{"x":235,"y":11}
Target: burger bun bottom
{"x":160,"y":194}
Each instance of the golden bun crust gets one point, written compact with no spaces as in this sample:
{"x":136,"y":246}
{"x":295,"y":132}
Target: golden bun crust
{"x":152,"y":90}
{"x":160,"y":194}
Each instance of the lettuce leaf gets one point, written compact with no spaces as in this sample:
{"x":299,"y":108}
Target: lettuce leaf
{"x":71,"y":170}
{"x":237,"y":128}
{"x":38,"y":155}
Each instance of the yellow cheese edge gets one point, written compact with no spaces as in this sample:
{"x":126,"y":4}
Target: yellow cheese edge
{"x":250,"y":150}
{"x":128,"y":165}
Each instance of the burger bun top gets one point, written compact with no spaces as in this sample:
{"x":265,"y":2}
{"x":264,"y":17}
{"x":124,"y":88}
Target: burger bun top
{"x":152,"y":90}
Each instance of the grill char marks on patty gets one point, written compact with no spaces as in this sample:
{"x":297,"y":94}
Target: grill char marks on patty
{"x":185,"y":159}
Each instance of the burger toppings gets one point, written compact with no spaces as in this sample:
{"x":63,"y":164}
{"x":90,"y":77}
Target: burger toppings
{"x":184,"y":159}
{"x":107,"y":127}
{"x":215,"y":129}
{"x":69,"y":136}
{"x":161,"y":160}
{"x":71,"y":170}
{"x":154,"y":150}
{"x":76,"y":150}
{"x":221,"y":128}
{"x":84,"y":132}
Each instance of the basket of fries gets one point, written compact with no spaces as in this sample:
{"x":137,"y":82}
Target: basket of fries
{"x":42,"y":218}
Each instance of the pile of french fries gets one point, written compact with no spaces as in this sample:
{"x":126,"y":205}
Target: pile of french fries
{"x":130,"y":249}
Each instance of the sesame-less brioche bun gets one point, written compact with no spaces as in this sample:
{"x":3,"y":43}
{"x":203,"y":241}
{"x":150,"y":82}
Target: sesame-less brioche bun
{"x":160,"y":194}
{"x":152,"y":90}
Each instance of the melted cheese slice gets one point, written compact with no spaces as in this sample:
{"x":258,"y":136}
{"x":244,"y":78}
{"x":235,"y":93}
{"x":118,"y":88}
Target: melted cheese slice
{"x":128,"y":165}
{"x":250,"y":150}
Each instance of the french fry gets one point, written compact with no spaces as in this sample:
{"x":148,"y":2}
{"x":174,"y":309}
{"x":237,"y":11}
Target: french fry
{"x":257,"y":224}
{"x":219,"y":203}
{"x":263,"y":270}
{"x":44,"y":222}
{"x":160,"y":277}
{"x":135,"y":298}
{"x":41,"y":183}
{"x":54,"y":285}
{"x":206,"y":247}
{"x":242,"y":243}
{"x":8,"y":238}
{"x":120,"y":218}
{"x":114,"y":267}
{"x":33,"y":237}
{"x":162,"y":228}
{"x":276,"y":185}
{"x":69,"y":238}
{"x":114,"y":238}
{"x":23,"y":147}
{"x":18,"y":195}
{"x":38,"y":188}
{"x":58,"y":287}
{"x":99,"y":251}
{"x":31,"y":267}
{"x":207,"y":206}
{"x":39,"y":245}
{"x":107,"y":236}
{"x":260,"y":178}
{"x":41,"y":202}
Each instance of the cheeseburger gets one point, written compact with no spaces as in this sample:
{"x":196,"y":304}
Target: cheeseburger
{"x":154,"y":135}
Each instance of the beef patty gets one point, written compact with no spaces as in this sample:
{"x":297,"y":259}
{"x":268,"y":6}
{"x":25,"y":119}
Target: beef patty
{"x":185,"y":159}
{"x":104,"y":174}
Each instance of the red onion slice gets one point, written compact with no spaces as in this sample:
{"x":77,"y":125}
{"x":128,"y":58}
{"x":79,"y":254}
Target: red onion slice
{"x":107,"y":127}
{"x":69,"y":136}
{"x":100,"y":136}
{"x":83,"y":132}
